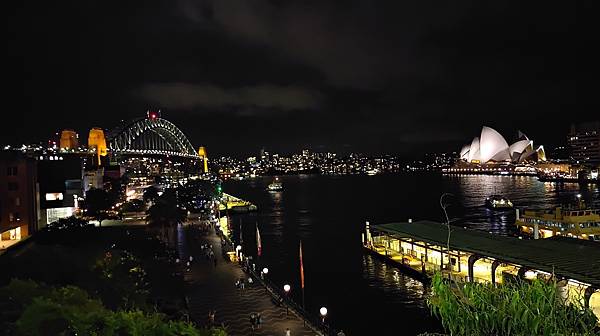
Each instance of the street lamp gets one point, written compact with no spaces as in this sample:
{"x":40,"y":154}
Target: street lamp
{"x":263,"y":274}
{"x":323,"y":312}
{"x":238,"y":250}
{"x":286,"y":289}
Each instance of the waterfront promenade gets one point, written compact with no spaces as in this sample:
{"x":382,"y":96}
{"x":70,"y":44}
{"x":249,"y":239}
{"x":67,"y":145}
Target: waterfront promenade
{"x":213,"y":287}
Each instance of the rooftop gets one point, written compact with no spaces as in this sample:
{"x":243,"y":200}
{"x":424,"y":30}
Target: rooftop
{"x":572,"y":258}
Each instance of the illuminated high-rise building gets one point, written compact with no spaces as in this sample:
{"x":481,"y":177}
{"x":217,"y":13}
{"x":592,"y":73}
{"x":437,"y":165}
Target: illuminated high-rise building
{"x":204,"y":158}
{"x":97,"y":143}
{"x":584,"y":143}
{"x":69,"y":139}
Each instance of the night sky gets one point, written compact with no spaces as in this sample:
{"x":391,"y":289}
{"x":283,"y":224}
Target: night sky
{"x":235,"y":76}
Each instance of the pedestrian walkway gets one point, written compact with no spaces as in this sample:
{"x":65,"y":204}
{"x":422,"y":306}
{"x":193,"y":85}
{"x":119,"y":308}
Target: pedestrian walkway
{"x":213,"y":287}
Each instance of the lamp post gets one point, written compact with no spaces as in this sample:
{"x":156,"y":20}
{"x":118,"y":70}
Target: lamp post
{"x":323,"y":312}
{"x":286,"y":289}
{"x":263,"y":275}
{"x":238,"y":250}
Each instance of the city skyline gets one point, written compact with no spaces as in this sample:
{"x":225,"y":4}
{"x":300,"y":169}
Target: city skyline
{"x":373,"y":78}
{"x":271,"y":167}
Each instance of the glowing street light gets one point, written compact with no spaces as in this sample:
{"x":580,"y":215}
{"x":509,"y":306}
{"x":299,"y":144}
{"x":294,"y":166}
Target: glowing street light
{"x":264,"y":273}
{"x":323,"y":312}
{"x":286,"y":289}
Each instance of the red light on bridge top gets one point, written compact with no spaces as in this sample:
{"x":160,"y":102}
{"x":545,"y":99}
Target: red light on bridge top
{"x":153,"y":114}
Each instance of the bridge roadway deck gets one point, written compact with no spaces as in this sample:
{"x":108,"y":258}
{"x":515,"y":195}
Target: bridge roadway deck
{"x":213,"y":288}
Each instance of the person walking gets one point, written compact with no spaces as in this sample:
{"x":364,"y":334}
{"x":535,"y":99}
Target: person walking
{"x":253,"y":321}
{"x":215,"y":261}
{"x":211,"y":318}
{"x":288,"y":332}
{"x":259,"y":320}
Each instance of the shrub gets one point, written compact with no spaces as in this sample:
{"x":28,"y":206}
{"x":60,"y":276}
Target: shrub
{"x":516,"y":308}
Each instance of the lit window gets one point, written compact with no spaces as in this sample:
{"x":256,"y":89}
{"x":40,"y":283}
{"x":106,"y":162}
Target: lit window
{"x":54,"y":197}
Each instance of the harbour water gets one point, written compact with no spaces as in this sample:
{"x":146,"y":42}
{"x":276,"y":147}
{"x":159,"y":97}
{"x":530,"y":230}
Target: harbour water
{"x":364,"y":296}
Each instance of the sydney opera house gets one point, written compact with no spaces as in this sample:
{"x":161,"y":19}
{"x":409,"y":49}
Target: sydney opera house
{"x":491,"y":147}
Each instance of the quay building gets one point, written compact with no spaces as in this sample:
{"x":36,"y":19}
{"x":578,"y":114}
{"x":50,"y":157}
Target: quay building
{"x":420,"y":248}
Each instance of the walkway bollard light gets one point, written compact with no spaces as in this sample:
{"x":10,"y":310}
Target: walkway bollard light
{"x":323,"y":312}
{"x":286,"y":289}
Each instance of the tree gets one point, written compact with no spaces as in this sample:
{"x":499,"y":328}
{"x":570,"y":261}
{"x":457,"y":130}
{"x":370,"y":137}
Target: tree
{"x":166,"y":214}
{"x":114,"y":188}
{"x":135,"y":205}
{"x":150,"y":194}
{"x":42,"y":310}
{"x":97,"y":203}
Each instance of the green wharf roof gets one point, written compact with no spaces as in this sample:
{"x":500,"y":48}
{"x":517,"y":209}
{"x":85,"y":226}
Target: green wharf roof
{"x":568,"y":257}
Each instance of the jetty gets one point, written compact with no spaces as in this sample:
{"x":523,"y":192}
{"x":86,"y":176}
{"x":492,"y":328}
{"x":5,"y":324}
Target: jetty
{"x":421,"y":249}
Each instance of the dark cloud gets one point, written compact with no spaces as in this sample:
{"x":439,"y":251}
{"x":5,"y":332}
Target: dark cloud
{"x":375,"y":75}
{"x":356,"y":44}
{"x":268,"y":97}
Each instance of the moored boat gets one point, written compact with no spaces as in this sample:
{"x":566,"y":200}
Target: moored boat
{"x":568,"y":221}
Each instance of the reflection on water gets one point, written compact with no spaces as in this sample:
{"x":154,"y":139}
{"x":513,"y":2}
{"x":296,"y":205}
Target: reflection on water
{"x":363,"y":295}
{"x":399,"y":287}
{"x":523,"y":191}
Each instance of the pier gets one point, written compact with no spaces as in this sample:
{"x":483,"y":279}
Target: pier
{"x":420,"y":248}
{"x":229,"y":202}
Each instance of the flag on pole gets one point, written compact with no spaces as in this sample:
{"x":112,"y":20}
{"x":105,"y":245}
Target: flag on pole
{"x":258,"y":242}
{"x":301,"y":268}
{"x":241,"y":237}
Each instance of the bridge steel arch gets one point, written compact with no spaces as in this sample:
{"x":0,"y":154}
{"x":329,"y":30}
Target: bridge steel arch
{"x":151,"y":136}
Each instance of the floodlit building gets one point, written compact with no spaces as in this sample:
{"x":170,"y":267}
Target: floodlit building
{"x":19,"y":201}
{"x":59,"y":186}
{"x":491,"y":146}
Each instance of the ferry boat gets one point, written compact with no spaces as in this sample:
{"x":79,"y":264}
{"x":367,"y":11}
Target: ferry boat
{"x":275,"y":185}
{"x":496,"y":202}
{"x":567,"y":221}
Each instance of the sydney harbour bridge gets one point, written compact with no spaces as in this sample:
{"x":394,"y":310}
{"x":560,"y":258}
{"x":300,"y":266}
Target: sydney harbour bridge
{"x":150,"y":135}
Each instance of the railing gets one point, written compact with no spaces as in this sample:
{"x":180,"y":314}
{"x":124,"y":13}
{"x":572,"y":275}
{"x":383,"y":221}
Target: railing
{"x":279,"y":297}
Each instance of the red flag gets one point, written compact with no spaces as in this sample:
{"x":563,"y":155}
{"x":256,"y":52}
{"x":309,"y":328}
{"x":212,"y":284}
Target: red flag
{"x":258,"y":243}
{"x":301,"y":268}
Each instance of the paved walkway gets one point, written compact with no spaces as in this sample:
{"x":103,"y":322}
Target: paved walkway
{"x":213,"y":288}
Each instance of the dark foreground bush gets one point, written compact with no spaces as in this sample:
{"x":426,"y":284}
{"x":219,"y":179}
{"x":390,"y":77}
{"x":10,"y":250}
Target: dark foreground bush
{"x":28,"y":308}
{"x":520,"y":308}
